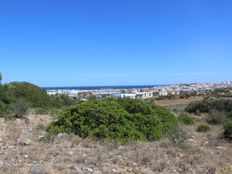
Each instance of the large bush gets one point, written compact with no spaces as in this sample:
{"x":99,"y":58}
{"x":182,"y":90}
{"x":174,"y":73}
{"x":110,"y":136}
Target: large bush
{"x":205,"y":106}
{"x":33,"y":94}
{"x":12,"y":95}
{"x":169,"y":122}
{"x":112,"y":119}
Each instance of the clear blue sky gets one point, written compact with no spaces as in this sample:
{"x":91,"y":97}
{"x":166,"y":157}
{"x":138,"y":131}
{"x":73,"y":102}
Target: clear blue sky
{"x":115,"y":42}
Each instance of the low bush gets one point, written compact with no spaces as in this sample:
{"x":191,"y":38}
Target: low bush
{"x":114,"y":119}
{"x":208,"y":104}
{"x":203,"y":128}
{"x":41,"y":111}
{"x":228,"y":129}
{"x":187,"y":120}
{"x":178,"y":137}
{"x":3,"y":109}
{"x":19,"y":108}
{"x":216,"y":117}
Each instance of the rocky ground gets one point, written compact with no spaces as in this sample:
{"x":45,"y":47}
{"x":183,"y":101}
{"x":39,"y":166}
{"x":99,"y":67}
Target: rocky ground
{"x":23,"y":152}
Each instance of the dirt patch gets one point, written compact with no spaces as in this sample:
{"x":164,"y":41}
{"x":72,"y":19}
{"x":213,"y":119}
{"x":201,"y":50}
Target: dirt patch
{"x":173,"y":102}
{"x":22,"y":152}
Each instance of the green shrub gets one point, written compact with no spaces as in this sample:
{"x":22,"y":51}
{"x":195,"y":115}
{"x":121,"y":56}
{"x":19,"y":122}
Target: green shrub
{"x":19,"y":108}
{"x":3,"y":109}
{"x":41,"y":111}
{"x":228,"y":129}
{"x":115,"y":120}
{"x":197,"y":107}
{"x":216,"y":117}
{"x":208,"y":104}
{"x":187,"y":120}
{"x":168,"y":120}
{"x":203,"y":128}
{"x":229,"y":115}
{"x":33,"y":94}
{"x":16,"y":97}
{"x":135,"y":106}
{"x":178,"y":137}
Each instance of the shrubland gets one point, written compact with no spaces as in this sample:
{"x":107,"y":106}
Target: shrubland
{"x":17,"y":97}
{"x":186,"y":119}
{"x":120,"y":120}
{"x":219,"y":111}
{"x":203,"y":128}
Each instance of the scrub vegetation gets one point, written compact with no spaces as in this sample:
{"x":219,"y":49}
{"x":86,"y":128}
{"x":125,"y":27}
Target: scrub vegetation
{"x":122,"y":120}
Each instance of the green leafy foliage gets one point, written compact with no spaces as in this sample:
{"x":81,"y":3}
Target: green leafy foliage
{"x":203,"y":128}
{"x":197,"y":107}
{"x":219,"y":110}
{"x":3,"y":109}
{"x":16,"y":95}
{"x":228,"y":129}
{"x":169,"y":122}
{"x":19,"y":108}
{"x":216,"y":117}
{"x":186,"y":119}
{"x":208,"y":104}
{"x":178,"y":137}
{"x":115,"y":119}
{"x":36,"y":96}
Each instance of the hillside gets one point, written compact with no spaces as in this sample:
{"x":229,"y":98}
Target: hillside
{"x":111,"y":135}
{"x":23,"y":152}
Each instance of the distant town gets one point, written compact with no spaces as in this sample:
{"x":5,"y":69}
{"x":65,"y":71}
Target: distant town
{"x":139,"y":92}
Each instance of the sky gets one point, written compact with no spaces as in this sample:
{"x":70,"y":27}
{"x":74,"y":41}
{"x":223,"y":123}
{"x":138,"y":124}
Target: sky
{"x":115,"y":42}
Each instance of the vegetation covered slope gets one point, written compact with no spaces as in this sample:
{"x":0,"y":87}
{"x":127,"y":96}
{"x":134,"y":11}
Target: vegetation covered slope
{"x":219,"y":111}
{"x":115,"y":119}
{"x":17,"y":97}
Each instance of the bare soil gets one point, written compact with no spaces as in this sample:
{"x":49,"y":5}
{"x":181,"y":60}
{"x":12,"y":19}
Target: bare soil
{"x":22,"y":152}
{"x":173,"y":102}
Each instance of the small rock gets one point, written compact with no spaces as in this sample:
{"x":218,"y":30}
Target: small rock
{"x":1,"y":140}
{"x":61,"y":135}
{"x":71,"y":153}
{"x":79,"y":171}
{"x":25,"y":142}
{"x":220,"y":147}
{"x":114,"y":170}
{"x":211,"y":171}
{"x":89,"y":170}
{"x":135,"y":164}
{"x":41,"y":137}
{"x":25,"y":156}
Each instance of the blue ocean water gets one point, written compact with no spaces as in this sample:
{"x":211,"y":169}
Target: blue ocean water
{"x":101,"y":87}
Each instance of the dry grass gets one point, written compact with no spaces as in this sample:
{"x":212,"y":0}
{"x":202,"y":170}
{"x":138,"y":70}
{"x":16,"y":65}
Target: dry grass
{"x":205,"y":153}
{"x":174,"y":102}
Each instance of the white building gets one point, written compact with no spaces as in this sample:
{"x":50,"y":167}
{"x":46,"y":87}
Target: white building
{"x":144,"y":95}
{"x":124,"y":95}
{"x":163,"y":92}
